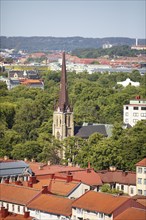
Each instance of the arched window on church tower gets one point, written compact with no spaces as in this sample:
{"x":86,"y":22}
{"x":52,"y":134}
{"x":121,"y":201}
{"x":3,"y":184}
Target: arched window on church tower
{"x":68,"y":120}
{"x":58,"y":135}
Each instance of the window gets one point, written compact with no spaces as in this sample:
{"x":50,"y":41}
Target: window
{"x":18,"y":208}
{"x":144,"y":192}
{"x":135,"y":114}
{"x":139,"y":180}
{"x":143,"y":114}
{"x":143,"y":108}
{"x":37,"y":212}
{"x":126,"y":114}
{"x":139,"y":192}
{"x":13,"y":207}
{"x":79,"y":211}
{"x":100,"y":215}
{"x":135,"y":108}
{"x":126,"y":107}
{"x":126,"y":120}
{"x":131,"y":191}
{"x":122,"y":187}
{"x":139,"y":170}
{"x":144,"y":169}
{"x":7,"y":206}
{"x":135,"y":120}
{"x":144,"y":181}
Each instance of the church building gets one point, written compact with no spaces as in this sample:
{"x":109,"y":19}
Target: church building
{"x":63,"y":120}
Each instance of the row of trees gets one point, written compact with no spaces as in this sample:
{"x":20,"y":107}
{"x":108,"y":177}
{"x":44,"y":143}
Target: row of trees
{"x":26,"y":120}
{"x":115,"y":51}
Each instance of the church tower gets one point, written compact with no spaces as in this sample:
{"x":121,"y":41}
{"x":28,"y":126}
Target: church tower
{"x":63,"y":123}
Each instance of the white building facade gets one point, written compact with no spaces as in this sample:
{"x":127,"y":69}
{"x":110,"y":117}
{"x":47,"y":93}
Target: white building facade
{"x":141,"y":177}
{"x":135,"y":111}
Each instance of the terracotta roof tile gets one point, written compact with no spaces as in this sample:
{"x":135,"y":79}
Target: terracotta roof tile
{"x":52,"y":204}
{"x":58,"y":187}
{"x":142,"y":163}
{"x":132,"y":214}
{"x":99,"y":202}
{"x":89,"y":177}
{"x":118,"y":176}
{"x":46,"y":169}
{"x":17,"y":194}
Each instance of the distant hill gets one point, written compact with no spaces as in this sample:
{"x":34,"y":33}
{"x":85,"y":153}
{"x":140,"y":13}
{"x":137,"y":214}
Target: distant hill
{"x":32,"y":44}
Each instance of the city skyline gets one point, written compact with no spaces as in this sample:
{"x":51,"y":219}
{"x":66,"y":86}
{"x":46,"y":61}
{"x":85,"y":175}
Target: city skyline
{"x":96,"y":19}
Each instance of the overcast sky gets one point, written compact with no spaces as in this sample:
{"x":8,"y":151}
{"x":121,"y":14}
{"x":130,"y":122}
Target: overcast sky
{"x":97,"y":19}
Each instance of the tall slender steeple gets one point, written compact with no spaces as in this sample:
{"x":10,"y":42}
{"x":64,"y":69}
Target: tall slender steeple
{"x":63,"y":95}
{"x":63,"y":123}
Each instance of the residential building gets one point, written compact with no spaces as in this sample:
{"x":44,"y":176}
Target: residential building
{"x":15,"y":198}
{"x":135,"y":111}
{"x":12,"y":171}
{"x":96,"y":205}
{"x":40,"y":203}
{"x":47,"y":206}
{"x":88,"y":177}
{"x":124,"y":181}
{"x":141,"y":177}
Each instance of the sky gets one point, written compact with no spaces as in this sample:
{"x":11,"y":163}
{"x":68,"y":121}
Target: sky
{"x":88,"y":18}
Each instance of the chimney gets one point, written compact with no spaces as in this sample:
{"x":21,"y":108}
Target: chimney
{"x":138,"y":97}
{"x":69,"y":178}
{"x":49,"y":163}
{"x":45,"y":189}
{"x":112,"y":168}
{"x":26,"y":214}
{"x":6,"y":158}
{"x":89,"y":165}
{"x":32,"y":179}
{"x":4,"y":212}
{"x":52,"y":175}
{"x":25,"y":159}
{"x":88,"y":170}
{"x":125,"y":173}
{"x":6,"y":181}
{"x":29,"y":184}
{"x":41,"y":167}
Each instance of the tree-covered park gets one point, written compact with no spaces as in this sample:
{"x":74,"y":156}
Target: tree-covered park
{"x":26,"y":120}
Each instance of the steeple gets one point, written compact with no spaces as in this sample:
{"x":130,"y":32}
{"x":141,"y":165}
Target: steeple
{"x":63,"y":122}
{"x":63,"y":103}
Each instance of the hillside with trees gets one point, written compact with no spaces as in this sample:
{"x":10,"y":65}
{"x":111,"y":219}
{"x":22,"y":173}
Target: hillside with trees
{"x":26,"y":120}
{"x":112,"y":52}
{"x":32,"y":44}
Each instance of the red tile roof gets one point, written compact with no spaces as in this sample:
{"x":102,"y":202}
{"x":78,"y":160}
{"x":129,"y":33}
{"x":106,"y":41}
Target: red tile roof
{"x":17,"y":194}
{"x":52,"y":204}
{"x":99,"y":202}
{"x":132,"y":214}
{"x":118,"y":176}
{"x":142,"y":163}
{"x":46,"y":169}
{"x":89,"y":177}
{"x":57,"y":186}
{"x":13,"y":216}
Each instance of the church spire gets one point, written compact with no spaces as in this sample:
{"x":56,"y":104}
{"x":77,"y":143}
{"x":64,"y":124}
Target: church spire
{"x":63,"y":95}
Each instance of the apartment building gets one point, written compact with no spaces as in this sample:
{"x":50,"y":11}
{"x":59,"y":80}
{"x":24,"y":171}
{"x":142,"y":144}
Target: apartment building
{"x":134,"y":111}
{"x":141,"y":177}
